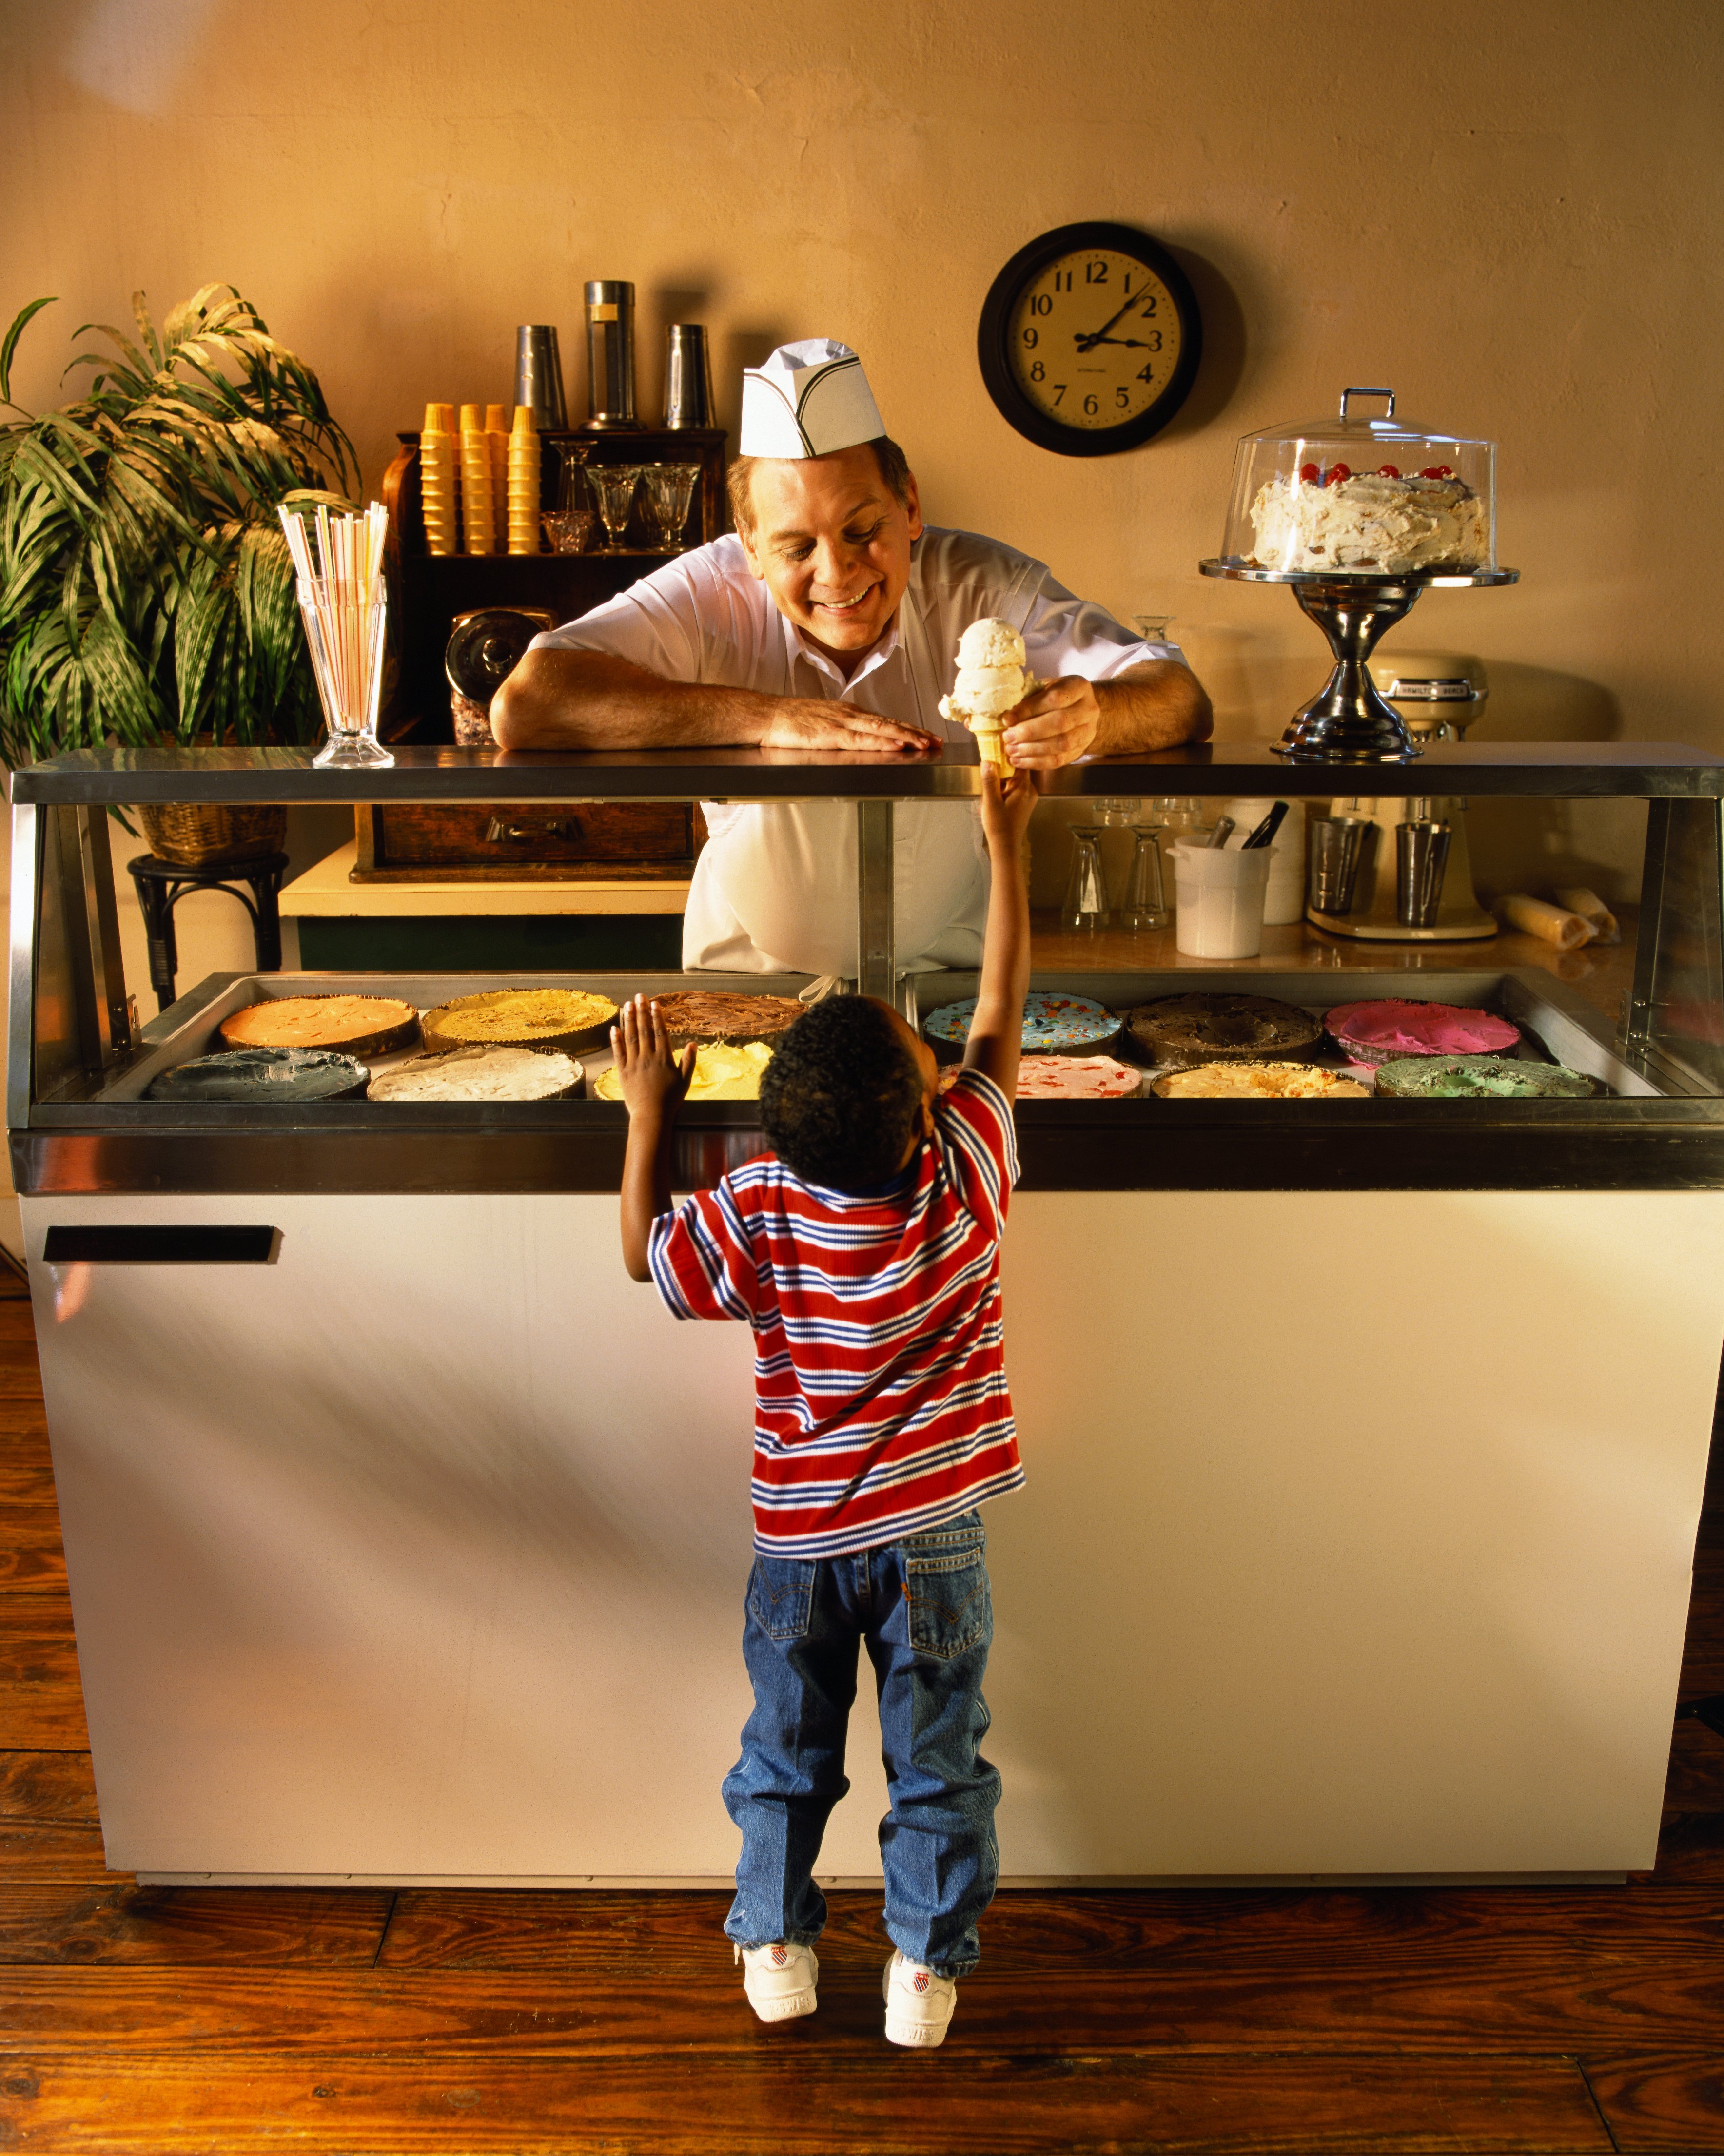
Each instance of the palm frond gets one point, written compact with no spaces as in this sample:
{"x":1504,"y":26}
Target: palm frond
{"x":145,"y":585}
{"x":8,"y":344}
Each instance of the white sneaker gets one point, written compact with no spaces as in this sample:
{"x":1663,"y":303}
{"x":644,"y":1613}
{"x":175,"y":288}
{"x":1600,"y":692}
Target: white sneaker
{"x":918,"y":2003}
{"x":779,"y":1980}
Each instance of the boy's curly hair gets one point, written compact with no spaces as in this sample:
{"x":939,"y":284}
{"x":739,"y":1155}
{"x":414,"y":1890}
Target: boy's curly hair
{"x":839,"y":1099}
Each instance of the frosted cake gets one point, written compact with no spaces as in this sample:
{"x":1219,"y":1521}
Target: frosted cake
{"x":1384,"y":521}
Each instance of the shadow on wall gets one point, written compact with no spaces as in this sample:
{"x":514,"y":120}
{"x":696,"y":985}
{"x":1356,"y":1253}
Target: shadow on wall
{"x":744,"y":346}
{"x":1223,"y":367}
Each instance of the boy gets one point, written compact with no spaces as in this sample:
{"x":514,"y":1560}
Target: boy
{"x":865,"y":1253}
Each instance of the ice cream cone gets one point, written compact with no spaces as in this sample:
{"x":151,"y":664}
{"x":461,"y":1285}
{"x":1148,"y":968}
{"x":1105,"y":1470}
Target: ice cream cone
{"x":990,"y":744}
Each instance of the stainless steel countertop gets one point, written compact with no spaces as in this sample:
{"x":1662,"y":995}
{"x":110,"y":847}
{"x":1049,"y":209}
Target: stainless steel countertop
{"x":1549,"y":770}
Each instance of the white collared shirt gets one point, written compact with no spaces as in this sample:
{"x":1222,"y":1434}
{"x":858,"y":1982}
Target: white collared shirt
{"x":774,"y":888}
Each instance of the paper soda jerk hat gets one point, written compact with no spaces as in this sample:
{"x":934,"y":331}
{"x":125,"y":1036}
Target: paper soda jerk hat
{"x":808,"y":400}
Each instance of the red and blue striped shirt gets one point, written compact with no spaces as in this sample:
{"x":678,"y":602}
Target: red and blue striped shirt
{"x":881,"y":1403}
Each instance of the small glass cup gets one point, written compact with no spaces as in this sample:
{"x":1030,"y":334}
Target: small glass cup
{"x":1086,"y":906}
{"x":571,"y":481}
{"x":1145,"y":907}
{"x":670,"y":494}
{"x":1152,"y":628}
{"x":567,"y":530}
{"x":614,"y":490}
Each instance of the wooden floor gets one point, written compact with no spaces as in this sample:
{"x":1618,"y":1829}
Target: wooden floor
{"x":146,"y":2020}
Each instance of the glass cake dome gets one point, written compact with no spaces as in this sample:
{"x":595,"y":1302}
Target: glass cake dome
{"x":1368,"y":498}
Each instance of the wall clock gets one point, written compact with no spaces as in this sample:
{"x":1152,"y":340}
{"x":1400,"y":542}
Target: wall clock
{"x":1089,"y":339}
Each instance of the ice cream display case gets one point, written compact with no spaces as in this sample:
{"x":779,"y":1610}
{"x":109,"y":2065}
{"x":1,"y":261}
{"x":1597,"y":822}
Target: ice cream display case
{"x":1366,"y":1433}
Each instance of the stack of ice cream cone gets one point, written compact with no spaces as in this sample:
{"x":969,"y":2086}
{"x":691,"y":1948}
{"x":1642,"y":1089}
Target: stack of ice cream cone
{"x":478,"y":485}
{"x":523,"y":484}
{"x":439,"y":495}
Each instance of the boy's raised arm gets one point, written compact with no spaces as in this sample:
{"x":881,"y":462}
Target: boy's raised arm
{"x":653,"y":1083}
{"x":996,"y":1031}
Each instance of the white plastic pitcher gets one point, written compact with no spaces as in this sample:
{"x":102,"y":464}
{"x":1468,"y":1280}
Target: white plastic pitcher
{"x":1222,"y":892}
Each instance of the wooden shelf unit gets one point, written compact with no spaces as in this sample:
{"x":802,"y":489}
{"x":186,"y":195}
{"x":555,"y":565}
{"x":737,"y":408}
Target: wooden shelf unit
{"x":431,"y":591}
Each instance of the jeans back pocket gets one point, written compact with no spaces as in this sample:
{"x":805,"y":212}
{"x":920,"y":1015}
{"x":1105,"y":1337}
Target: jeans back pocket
{"x":946,"y":1580}
{"x":781,"y":1596}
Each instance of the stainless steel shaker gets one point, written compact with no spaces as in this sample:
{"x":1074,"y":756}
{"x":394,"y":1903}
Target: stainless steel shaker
{"x":1421,"y":859}
{"x":538,"y":376}
{"x":1335,"y":843}
{"x":611,"y":353}
{"x":688,"y":376}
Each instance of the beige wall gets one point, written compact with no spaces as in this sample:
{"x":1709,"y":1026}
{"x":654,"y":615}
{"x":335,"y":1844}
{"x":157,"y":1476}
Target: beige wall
{"x":1511,"y":212}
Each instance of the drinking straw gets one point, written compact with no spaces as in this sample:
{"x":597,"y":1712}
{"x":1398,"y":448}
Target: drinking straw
{"x":338,"y":579}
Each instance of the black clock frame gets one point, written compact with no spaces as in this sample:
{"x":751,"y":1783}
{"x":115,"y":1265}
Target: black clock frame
{"x":993,"y":352}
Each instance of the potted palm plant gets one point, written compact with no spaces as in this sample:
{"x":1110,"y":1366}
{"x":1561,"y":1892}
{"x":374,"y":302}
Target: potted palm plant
{"x":146,"y":595}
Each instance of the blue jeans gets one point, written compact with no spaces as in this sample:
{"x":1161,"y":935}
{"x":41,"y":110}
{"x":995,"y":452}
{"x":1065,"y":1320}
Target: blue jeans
{"x":922,"y":1607}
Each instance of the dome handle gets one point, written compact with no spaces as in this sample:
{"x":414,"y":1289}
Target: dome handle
{"x":1389,"y":394}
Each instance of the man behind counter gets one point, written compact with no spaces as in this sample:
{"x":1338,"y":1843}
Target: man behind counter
{"x":829,"y":622}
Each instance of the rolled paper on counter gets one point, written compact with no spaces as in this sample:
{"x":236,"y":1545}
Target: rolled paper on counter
{"x":1592,"y":910}
{"x":1552,"y":924}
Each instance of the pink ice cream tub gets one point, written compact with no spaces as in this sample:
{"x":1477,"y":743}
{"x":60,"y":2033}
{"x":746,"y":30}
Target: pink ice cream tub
{"x":1376,"y":1031}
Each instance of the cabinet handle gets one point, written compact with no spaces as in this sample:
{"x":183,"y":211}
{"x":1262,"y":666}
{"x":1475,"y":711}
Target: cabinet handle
{"x":160,"y":1246}
{"x":497,"y":833}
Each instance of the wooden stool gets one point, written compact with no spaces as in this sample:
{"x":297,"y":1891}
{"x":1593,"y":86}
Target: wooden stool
{"x":161,"y":885}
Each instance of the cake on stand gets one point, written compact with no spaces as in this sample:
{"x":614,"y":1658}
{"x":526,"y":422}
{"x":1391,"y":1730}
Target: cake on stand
{"x":1359,"y":516}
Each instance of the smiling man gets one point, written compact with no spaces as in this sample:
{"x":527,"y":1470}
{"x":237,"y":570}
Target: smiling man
{"x":829,"y":621}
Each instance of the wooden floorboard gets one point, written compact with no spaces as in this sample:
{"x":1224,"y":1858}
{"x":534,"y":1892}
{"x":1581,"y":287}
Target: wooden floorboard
{"x":782,"y":2103}
{"x":1665,"y":2099}
{"x":1029,"y":1933}
{"x":1494,"y":2001}
{"x":136,"y":2018}
{"x":116,"y":1923}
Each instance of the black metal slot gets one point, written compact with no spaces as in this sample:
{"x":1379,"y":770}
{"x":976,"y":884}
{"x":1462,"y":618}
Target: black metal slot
{"x":162,"y":1246}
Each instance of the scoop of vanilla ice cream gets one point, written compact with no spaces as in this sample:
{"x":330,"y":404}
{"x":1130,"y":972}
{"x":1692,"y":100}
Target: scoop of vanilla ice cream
{"x":990,"y":643}
{"x":991,"y":671}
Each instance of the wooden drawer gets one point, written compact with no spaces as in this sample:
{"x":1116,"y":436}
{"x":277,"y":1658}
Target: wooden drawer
{"x":593,"y":840}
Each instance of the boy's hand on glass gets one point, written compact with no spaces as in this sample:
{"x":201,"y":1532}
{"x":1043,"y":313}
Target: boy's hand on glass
{"x":651,"y":1077}
{"x":1007,"y":805}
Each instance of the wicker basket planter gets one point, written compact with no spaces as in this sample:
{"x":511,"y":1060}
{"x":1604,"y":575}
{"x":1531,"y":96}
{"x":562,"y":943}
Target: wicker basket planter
{"x":199,"y":834}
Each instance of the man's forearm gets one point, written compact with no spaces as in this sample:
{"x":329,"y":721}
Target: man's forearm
{"x":1159,"y":705}
{"x":587,"y":699}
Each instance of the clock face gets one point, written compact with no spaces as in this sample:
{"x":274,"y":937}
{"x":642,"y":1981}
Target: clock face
{"x":1089,"y":340}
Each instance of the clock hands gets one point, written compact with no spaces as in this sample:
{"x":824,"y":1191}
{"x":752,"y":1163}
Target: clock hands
{"x":1087,"y":344}
{"x":1101,"y":336}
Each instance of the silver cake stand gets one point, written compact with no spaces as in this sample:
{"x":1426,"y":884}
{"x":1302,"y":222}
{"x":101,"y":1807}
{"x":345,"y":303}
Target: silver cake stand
{"x":1347,"y":721}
